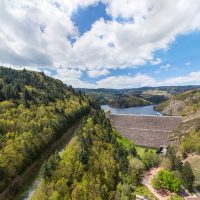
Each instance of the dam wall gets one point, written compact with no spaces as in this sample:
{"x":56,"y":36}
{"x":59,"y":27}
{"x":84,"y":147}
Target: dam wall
{"x":152,"y":131}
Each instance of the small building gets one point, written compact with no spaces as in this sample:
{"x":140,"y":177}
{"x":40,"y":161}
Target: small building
{"x":162,"y":150}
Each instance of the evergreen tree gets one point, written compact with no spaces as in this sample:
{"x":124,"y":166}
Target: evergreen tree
{"x":187,"y":176}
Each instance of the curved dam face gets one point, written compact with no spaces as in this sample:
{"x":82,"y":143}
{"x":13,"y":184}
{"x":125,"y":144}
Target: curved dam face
{"x":152,"y":131}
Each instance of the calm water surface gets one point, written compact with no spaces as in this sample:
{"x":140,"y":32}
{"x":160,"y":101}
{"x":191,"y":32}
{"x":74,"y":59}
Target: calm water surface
{"x":140,"y":110}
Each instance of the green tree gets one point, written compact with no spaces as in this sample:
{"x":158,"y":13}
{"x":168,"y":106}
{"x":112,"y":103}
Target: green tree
{"x":168,"y":181}
{"x":187,"y":176}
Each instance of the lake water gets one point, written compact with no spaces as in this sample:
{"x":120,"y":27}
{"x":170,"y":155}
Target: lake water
{"x":140,"y":110}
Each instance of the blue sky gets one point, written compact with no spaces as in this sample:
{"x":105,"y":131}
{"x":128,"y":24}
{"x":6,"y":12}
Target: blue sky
{"x":110,"y":44}
{"x":182,"y":56}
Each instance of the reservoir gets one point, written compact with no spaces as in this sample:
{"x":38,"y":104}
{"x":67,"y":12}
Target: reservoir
{"x":139,"y":110}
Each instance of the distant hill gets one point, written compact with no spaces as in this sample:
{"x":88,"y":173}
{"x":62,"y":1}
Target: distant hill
{"x":135,"y":96}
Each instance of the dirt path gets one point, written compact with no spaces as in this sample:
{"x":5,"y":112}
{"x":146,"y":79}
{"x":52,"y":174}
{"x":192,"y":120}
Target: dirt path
{"x":147,"y":182}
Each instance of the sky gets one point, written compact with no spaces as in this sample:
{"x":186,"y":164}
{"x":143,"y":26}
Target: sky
{"x":104,"y":43}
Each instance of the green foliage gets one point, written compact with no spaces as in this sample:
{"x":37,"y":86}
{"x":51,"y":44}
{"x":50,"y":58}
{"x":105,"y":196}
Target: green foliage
{"x":187,"y":176}
{"x":150,"y":159}
{"x":130,"y":147}
{"x":176,"y":197}
{"x":95,"y":165}
{"x":35,"y":111}
{"x":117,"y":99}
{"x":156,"y":184}
{"x":141,"y":150}
{"x":194,"y":163}
{"x":191,"y":143}
{"x":144,"y":191}
{"x":135,"y":171}
{"x":166,"y":163}
{"x":184,"y":170}
{"x":127,"y":101}
{"x":49,"y":166}
{"x":176,"y":163}
{"x":168,"y":181}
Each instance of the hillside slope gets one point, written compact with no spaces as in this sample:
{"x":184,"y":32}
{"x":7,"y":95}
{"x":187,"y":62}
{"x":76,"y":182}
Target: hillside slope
{"x":184,"y":104}
{"x":117,"y":100}
{"x":187,"y":135}
{"x":35,"y":110}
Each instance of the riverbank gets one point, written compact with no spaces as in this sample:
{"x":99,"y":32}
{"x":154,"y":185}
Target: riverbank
{"x":18,"y":187}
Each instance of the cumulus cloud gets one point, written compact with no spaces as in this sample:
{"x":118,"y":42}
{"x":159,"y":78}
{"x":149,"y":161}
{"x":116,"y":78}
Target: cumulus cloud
{"x":68,"y":76}
{"x":37,"y":34}
{"x":126,"y":81}
{"x":192,"y":78}
{"x":142,"y":80}
{"x":188,"y":63}
{"x":156,"y":61}
{"x":97,"y":73}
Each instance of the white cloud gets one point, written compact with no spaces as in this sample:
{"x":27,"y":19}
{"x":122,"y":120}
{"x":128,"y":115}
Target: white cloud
{"x":68,"y":76}
{"x":126,"y":81}
{"x":97,"y":73}
{"x":142,"y":80}
{"x":156,"y":61}
{"x":166,"y":67}
{"x":36,"y":34}
{"x":188,"y":63}
{"x":192,"y":78}
{"x":23,"y":42}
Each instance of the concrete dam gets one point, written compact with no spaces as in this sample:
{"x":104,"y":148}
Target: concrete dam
{"x":151,"y":131}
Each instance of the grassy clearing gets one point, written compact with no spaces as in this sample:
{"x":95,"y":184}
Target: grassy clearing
{"x":143,"y":191}
{"x":141,"y":149}
{"x":129,"y":144}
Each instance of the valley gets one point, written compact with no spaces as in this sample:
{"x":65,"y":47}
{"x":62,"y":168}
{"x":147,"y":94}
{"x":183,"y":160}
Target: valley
{"x":99,"y":100}
{"x":63,"y":143}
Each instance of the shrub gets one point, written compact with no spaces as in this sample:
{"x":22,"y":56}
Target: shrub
{"x":156,"y":183}
{"x":168,"y":181}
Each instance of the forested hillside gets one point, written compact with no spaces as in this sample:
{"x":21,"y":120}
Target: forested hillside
{"x":97,"y":164}
{"x":115,"y":99}
{"x":35,"y":111}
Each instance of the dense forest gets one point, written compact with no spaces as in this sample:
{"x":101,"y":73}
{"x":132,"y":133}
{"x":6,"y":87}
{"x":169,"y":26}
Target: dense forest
{"x":35,"y":110}
{"x":97,"y":164}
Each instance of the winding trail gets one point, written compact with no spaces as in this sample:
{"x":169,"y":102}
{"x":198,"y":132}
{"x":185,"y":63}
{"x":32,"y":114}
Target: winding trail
{"x":147,"y":182}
